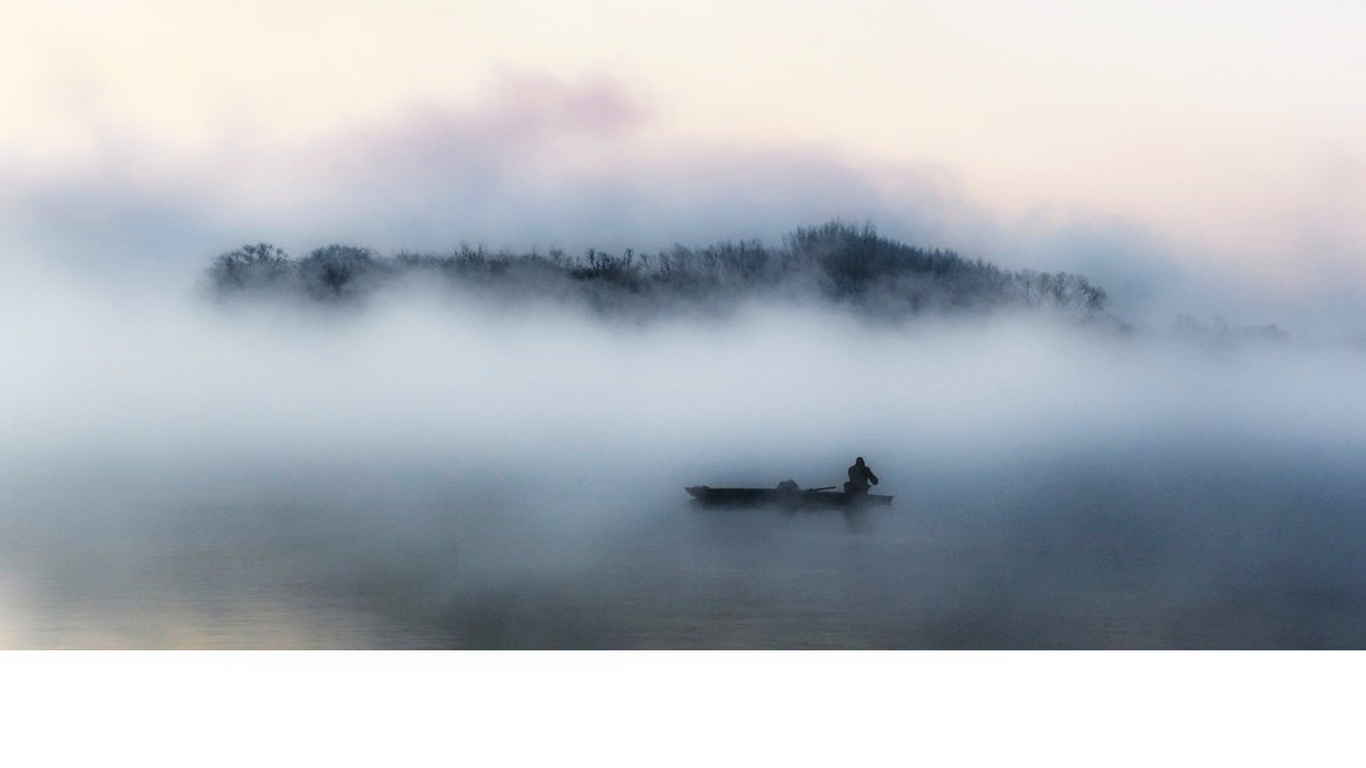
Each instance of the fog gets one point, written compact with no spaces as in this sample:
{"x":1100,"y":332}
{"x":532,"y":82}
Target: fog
{"x":428,"y":468}
{"x":538,"y":161}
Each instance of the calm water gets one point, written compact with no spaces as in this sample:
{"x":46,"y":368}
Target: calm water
{"x":694,"y":579}
{"x":1245,"y":557}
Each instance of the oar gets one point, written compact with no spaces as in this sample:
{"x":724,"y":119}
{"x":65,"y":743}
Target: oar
{"x":826,"y":488}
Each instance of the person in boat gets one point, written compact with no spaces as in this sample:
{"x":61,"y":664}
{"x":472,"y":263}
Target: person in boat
{"x":860,"y":476}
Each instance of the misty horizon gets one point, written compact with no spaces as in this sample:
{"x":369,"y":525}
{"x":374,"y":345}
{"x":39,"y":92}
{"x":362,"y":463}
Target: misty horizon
{"x":417,"y":471}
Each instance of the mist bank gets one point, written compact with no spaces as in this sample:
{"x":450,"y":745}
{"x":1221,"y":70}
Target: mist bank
{"x":416,"y":370}
{"x":95,"y":378}
{"x":439,"y":473}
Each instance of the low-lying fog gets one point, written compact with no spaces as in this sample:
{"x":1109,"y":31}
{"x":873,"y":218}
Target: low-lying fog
{"x":428,"y":472}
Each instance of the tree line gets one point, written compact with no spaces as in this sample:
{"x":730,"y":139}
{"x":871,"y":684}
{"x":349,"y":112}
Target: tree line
{"x":839,"y":262}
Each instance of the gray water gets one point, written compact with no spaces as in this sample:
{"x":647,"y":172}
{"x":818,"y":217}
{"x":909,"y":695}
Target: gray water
{"x":1139,"y":548}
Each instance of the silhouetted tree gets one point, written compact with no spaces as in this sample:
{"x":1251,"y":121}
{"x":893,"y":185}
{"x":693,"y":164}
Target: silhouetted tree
{"x":623,"y":271}
{"x":251,"y":266}
{"x":1061,"y":291}
{"x":327,"y":272}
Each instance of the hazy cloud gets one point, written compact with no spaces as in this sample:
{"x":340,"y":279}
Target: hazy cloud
{"x":545,"y":163}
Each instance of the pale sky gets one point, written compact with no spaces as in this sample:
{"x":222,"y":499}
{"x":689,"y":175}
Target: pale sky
{"x":1229,"y":132}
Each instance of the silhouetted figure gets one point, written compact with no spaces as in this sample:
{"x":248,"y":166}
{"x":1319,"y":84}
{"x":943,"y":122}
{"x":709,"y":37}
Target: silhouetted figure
{"x":860,"y":476}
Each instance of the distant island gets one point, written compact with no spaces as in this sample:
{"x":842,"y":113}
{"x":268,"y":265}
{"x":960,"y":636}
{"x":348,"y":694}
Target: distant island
{"x":836,"y":263}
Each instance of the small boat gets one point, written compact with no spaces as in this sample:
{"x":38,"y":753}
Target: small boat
{"x":790,"y":497}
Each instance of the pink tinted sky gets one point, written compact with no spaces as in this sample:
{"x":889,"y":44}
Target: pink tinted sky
{"x":1205,"y":135}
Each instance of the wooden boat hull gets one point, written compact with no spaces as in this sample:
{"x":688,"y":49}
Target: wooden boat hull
{"x":763,"y":497}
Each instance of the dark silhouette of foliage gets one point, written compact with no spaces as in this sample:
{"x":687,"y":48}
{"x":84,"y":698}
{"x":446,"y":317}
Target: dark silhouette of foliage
{"x":330,"y":271}
{"x":622,"y":270}
{"x":836,"y":262}
{"x":251,"y":266}
{"x":1060,"y":290}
